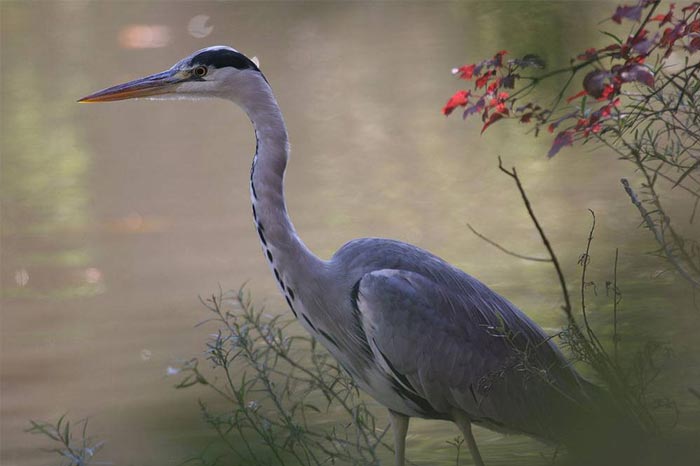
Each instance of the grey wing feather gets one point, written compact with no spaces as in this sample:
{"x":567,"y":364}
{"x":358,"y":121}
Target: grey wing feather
{"x":459,"y":345}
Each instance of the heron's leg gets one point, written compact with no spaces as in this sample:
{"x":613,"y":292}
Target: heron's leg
{"x":465,"y":426}
{"x":399,"y":425}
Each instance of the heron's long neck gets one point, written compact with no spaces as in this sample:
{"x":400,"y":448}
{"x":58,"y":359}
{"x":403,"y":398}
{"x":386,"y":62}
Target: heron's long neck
{"x":291,"y":261}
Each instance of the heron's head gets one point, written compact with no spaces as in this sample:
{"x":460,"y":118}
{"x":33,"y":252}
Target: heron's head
{"x":212,"y":72}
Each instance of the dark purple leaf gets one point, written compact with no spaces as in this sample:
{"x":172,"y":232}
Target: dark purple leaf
{"x":494,"y":62}
{"x":564,"y":138}
{"x":643,"y":47}
{"x":671,"y":35}
{"x":629,"y":12}
{"x":638,"y":73}
{"x":508,"y":82}
{"x":694,"y":45}
{"x":595,"y":82}
{"x":477,"y":107}
{"x":492,"y":119}
{"x":559,"y":121}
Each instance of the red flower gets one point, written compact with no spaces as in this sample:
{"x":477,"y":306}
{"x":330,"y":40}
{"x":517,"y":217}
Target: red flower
{"x":499,"y":103}
{"x":588,"y":54}
{"x":608,"y":91}
{"x":493,"y":86}
{"x":665,"y":18}
{"x":693,"y":26}
{"x":498,"y":58}
{"x":466,"y":72}
{"x":459,"y":99}
{"x":481,"y":82}
{"x":671,"y":35}
{"x":492,"y":119}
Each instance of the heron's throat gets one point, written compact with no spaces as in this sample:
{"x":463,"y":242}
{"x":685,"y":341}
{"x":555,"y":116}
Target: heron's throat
{"x":290,"y":260}
{"x":267,"y":191}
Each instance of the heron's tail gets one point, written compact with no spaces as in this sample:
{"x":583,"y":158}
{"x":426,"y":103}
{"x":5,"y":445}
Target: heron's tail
{"x":604,"y":431}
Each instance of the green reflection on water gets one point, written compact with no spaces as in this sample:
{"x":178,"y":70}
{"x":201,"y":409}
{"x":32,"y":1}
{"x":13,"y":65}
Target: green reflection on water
{"x":44,"y":167}
{"x":63,"y":258}
{"x":43,"y":181}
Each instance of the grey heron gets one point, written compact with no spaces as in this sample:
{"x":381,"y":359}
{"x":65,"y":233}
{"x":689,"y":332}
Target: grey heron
{"x":420,"y":336}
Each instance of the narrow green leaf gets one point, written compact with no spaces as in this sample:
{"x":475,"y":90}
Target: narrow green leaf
{"x":613,"y":37}
{"x":686,"y":173}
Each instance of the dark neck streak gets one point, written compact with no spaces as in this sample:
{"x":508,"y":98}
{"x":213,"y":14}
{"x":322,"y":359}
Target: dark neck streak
{"x":290,"y":260}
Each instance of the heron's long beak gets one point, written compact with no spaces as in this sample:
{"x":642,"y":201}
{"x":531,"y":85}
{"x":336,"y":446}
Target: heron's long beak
{"x":156,"y":84}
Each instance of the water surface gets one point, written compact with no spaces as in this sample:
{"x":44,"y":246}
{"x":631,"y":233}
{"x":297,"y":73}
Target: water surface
{"x":116,"y":217}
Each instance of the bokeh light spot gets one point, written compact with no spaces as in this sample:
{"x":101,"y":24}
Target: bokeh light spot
{"x":197,"y":27}
{"x":21,"y":277}
{"x":144,"y":36}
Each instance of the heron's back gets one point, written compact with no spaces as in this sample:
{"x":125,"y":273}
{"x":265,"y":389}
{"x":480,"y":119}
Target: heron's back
{"x":445,"y":342}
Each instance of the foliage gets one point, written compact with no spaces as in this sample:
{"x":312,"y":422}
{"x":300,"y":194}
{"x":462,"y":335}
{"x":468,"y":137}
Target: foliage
{"x":286,"y":400}
{"x":639,"y":98}
{"x":75,"y":452}
{"x":627,"y":384}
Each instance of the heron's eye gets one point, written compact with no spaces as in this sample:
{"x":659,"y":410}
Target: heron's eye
{"x":200,"y":71}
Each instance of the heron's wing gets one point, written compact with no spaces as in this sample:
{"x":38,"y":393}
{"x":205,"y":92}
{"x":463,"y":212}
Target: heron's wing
{"x":462,"y":346}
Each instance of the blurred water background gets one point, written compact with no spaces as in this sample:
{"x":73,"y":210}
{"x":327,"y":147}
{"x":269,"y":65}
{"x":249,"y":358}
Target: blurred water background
{"x":116,"y":217}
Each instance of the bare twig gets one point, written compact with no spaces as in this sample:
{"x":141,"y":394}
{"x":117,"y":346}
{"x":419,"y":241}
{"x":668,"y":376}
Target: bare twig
{"x":586,"y":345}
{"x":565,"y":292}
{"x":615,"y":303}
{"x":694,"y":392}
{"x":585,"y":259}
{"x":510,"y":253}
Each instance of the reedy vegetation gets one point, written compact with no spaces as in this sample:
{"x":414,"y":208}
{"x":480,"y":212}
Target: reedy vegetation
{"x":287,"y":400}
{"x":73,"y":451}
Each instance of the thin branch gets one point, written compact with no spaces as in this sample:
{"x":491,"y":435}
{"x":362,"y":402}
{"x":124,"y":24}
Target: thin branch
{"x":694,"y":392}
{"x":615,"y":303}
{"x":565,"y":292}
{"x":585,"y":259}
{"x":510,"y":253}
{"x":646,"y":216}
